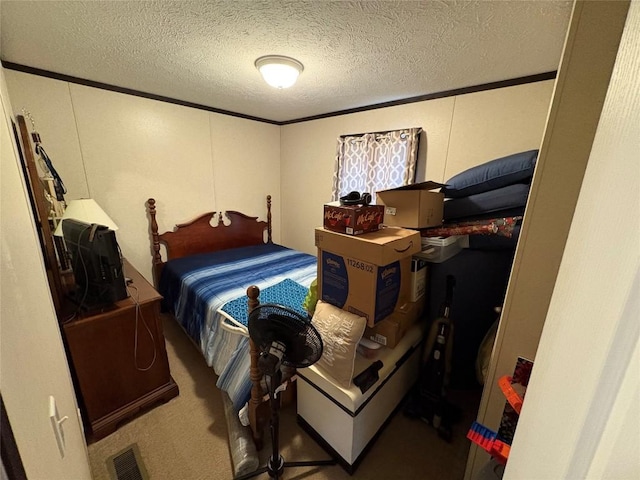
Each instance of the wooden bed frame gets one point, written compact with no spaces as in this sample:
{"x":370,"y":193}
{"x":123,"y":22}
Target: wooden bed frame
{"x":199,"y":236}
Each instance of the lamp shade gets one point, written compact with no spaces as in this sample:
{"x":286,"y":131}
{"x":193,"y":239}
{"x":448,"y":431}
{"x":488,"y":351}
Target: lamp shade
{"x":85,"y":210}
{"x":279,"y":71}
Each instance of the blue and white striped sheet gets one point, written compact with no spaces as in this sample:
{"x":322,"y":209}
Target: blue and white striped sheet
{"x":196,"y":287}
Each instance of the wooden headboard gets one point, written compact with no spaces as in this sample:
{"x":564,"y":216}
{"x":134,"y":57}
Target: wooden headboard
{"x":200,"y":236}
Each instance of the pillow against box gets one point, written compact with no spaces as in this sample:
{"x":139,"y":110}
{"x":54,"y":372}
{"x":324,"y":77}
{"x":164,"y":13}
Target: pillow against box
{"x":498,"y":173}
{"x":504,"y":198}
{"x":340,"y":332}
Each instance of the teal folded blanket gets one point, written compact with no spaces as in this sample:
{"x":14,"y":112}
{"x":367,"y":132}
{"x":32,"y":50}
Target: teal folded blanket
{"x":286,"y":293}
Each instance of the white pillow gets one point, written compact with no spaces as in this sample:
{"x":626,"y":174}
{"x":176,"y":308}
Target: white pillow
{"x":340,"y":332}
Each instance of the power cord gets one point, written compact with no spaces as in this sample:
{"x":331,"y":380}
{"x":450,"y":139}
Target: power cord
{"x":140,"y":315}
{"x":86,"y":276}
{"x":135,"y":298}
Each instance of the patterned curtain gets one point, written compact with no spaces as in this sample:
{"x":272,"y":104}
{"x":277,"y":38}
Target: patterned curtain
{"x":375,"y":161}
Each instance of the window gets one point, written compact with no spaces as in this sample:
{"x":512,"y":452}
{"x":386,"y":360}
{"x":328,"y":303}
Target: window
{"x":371,"y":162}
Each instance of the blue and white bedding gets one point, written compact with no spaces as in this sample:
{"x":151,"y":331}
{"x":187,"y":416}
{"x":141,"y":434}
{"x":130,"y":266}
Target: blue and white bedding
{"x":196,"y":288}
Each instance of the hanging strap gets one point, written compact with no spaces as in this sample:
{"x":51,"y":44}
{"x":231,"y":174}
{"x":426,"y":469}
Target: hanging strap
{"x":57,"y":181}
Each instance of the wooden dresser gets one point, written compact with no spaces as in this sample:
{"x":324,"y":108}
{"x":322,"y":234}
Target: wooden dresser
{"x":117,"y":377}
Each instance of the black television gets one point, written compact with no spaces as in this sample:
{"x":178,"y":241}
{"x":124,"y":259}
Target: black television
{"x":96,"y":264}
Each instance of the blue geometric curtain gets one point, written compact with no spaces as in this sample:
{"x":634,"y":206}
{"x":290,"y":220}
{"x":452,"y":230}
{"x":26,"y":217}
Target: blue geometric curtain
{"x":375,"y":161}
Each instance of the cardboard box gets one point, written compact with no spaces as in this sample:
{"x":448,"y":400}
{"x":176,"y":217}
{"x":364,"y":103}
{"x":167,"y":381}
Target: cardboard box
{"x":380,"y":248}
{"x":367,"y":274}
{"x":413,"y":206}
{"x":353,"y":219}
{"x":418,"y":278}
{"x":390,"y":331}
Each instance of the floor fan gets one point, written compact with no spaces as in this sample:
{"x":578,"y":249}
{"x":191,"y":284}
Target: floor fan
{"x":284,"y":337}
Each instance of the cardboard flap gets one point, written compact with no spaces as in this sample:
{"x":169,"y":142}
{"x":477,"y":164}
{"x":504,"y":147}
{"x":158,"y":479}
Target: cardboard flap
{"x":429,"y":185}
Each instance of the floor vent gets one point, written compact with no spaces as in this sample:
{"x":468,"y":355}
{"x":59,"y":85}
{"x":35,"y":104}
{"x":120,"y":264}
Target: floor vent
{"x":127,"y":465}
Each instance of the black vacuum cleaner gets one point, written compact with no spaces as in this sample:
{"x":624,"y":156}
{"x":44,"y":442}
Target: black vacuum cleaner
{"x":429,"y":401}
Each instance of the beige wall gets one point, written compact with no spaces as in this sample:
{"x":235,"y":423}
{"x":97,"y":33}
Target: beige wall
{"x":585,"y":388}
{"x":121,"y":150}
{"x":460,"y":132}
{"x":33,"y":364}
{"x":495,"y":123}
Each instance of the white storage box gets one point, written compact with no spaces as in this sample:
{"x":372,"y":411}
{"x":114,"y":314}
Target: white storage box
{"x":439,"y":249}
{"x":344,"y":420}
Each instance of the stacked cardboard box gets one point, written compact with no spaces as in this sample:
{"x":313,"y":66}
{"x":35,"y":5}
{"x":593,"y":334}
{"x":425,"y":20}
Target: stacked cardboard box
{"x":369,"y":274}
{"x":353,"y":219}
{"x":374,"y":274}
{"x":390,"y":331}
{"x":413,"y":206}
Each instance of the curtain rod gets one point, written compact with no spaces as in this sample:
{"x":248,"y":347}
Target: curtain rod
{"x":376,"y":133}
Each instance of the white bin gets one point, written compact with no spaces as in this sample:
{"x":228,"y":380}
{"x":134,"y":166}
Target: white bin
{"x":344,"y":420}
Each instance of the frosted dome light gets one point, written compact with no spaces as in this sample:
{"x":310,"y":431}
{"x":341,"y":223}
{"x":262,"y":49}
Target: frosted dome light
{"x":279,"y":71}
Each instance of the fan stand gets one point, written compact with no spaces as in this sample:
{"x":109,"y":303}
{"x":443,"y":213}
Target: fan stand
{"x":276,"y":464}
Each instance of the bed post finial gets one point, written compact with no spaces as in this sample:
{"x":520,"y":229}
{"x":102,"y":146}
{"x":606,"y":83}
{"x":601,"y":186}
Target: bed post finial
{"x":253,"y":292}
{"x":151,"y":204}
{"x":269,"y":239}
{"x":151,"y":208}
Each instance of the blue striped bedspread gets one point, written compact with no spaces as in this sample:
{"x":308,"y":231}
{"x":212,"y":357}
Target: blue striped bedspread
{"x":196,"y":288}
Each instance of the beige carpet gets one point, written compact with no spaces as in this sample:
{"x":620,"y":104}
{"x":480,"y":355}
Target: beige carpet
{"x":186,"y":438}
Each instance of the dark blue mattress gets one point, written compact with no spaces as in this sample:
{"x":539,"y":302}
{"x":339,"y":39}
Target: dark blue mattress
{"x":505,"y":198}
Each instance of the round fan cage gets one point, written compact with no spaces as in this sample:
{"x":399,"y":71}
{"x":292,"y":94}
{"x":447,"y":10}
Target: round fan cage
{"x":270,"y":322}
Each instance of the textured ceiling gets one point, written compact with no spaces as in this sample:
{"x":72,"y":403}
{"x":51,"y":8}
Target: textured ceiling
{"x":354,"y":53}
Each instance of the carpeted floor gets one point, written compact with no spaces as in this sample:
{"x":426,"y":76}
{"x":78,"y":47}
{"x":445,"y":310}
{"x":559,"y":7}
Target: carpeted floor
{"x":186,"y":438}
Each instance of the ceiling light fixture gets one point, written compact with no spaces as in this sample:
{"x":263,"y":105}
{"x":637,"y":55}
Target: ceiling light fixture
{"x":279,"y":71}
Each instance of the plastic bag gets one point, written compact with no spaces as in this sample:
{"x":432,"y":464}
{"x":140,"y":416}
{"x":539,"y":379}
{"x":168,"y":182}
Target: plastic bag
{"x":244,"y":455}
{"x":311,"y":299}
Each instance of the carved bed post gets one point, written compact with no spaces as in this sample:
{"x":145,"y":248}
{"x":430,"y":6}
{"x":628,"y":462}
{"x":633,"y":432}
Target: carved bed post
{"x":157,"y":259}
{"x":269,"y":240}
{"x":253,"y":292}
{"x":256,"y":418}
